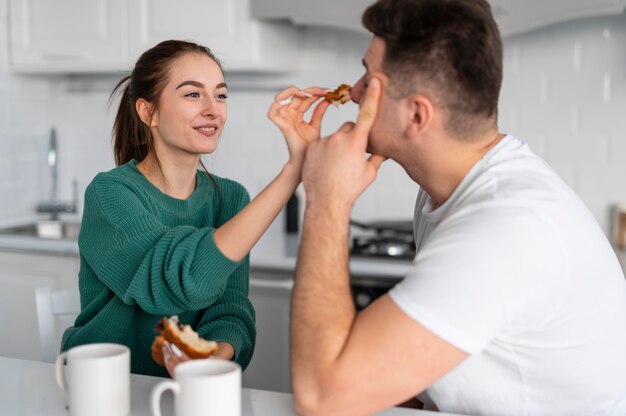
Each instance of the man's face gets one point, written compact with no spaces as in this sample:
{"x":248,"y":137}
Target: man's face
{"x":388,"y":125}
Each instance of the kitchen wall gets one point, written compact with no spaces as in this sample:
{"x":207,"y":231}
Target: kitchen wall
{"x":564,"y":92}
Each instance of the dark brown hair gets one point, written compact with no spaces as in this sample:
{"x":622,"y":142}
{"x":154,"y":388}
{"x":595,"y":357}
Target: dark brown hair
{"x":449,"y":48}
{"x":132,"y":138}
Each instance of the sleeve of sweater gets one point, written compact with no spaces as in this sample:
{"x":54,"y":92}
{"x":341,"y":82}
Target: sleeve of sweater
{"x":164,"y":270}
{"x":231,"y":318}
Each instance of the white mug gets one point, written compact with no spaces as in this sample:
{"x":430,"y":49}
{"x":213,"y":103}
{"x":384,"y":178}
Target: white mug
{"x":98,"y":379}
{"x":208,"y":387}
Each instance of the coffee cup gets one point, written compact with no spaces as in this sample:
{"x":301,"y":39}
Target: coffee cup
{"x":96,"y":378}
{"x":202,"y":387}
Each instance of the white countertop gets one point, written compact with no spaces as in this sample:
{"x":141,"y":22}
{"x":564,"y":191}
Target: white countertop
{"x":24,"y":244}
{"x":275,"y":251}
{"x":278,"y":251}
{"x":29,"y":388}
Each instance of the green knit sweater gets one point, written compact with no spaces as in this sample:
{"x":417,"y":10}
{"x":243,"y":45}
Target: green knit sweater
{"x":145,"y":255}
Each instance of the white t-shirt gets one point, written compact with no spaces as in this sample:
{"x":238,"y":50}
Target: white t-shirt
{"x":514,"y":270}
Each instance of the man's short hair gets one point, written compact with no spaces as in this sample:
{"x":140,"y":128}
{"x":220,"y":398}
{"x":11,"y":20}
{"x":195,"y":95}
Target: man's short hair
{"x":448,"y":49}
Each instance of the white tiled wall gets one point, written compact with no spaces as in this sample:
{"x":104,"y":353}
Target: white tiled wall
{"x":564,"y":92}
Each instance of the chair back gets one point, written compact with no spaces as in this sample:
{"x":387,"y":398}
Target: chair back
{"x":56,"y":310}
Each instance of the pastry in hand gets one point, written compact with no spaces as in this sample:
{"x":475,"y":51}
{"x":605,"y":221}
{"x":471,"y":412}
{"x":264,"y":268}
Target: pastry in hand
{"x":339,"y":96}
{"x":184,"y":337}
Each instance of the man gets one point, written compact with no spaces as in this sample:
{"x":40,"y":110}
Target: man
{"x":515,"y":304}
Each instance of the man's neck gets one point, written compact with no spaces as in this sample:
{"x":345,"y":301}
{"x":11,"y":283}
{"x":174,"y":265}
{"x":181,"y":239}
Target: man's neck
{"x":441,"y":169}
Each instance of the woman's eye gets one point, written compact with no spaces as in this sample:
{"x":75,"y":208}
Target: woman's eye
{"x":192,"y":94}
{"x":221,"y":97}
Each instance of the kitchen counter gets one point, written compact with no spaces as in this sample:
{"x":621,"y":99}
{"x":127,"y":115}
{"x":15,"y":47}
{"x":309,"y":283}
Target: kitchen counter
{"x":278,"y":251}
{"x":275,"y":251}
{"x":25,"y":244}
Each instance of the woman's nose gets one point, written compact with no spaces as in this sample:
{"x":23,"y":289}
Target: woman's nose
{"x":211,"y":108}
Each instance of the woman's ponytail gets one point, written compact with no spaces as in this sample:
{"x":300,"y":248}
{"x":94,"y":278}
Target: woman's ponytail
{"x":131,"y":137}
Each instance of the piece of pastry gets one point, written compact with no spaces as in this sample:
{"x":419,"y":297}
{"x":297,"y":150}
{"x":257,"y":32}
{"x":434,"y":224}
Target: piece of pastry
{"x":157,"y":350}
{"x":184,"y":337}
{"x":339,"y":96}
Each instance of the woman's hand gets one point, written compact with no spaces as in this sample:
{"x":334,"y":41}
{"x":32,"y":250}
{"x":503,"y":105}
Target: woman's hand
{"x":225,"y":351}
{"x":343,"y":155}
{"x":287,"y":112}
{"x":172,"y":355}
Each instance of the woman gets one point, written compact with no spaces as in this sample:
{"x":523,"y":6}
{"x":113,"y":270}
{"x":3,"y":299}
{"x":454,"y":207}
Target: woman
{"x":158,"y":236}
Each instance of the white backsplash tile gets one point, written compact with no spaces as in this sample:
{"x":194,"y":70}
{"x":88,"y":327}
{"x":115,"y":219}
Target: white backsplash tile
{"x":617,"y":148}
{"x":564,"y":93}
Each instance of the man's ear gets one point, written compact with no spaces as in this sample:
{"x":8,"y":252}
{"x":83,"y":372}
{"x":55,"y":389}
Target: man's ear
{"x":421,"y":113}
{"x":145,"y":111}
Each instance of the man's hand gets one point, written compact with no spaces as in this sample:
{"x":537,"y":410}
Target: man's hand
{"x":336,"y":169}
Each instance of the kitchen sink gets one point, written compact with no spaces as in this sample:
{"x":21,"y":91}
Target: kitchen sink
{"x":52,"y":229}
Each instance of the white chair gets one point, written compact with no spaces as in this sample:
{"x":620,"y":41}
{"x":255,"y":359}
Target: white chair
{"x":59,"y":305}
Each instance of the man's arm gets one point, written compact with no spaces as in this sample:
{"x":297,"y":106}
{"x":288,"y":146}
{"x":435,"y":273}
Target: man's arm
{"x":347,"y":364}
{"x":343,"y":363}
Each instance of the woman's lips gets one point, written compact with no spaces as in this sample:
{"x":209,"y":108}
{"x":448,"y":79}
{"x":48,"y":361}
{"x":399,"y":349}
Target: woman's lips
{"x":207,"y":131}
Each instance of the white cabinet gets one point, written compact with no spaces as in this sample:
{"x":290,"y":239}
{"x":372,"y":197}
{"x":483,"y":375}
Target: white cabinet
{"x":109,"y":35}
{"x":513,"y":16}
{"x":80,"y":35}
{"x":270,"y":294}
{"x":20,"y":275}
{"x":344,"y":14}
{"x":518,"y":16}
{"x":225,"y":26}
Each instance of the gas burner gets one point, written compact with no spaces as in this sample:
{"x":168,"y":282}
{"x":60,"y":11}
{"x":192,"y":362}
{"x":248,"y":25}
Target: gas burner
{"x":383,"y":239}
{"x":394,"y":247}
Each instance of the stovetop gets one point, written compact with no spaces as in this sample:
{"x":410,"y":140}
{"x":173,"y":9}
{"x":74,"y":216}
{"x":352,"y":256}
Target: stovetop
{"x":383,"y":239}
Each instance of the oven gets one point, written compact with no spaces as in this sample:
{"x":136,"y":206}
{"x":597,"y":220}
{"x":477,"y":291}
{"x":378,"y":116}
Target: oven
{"x":386,"y":243}
{"x":366,"y":289}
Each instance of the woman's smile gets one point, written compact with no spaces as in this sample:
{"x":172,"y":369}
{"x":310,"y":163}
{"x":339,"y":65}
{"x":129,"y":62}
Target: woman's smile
{"x":207,"y":130}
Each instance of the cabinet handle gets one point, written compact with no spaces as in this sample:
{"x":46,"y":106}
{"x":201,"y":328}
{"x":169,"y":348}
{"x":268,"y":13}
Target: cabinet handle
{"x":286,"y":284}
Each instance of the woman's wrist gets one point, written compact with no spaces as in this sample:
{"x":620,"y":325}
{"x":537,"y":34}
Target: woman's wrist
{"x":293,"y":169}
{"x":226,"y":351}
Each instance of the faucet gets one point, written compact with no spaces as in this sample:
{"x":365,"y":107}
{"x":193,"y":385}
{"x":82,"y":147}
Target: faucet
{"x":54,"y":206}
{"x":52,"y":162}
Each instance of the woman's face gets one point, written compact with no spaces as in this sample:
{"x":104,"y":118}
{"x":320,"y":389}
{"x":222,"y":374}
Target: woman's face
{"x":192,"y":107}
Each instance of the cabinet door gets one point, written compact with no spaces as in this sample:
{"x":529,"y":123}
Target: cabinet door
{"x":270,"y":294}
{"x":344,"y":14}
{"x":209,"y":22}
{"x":20,"y":275}
{"x":68,"y":35}
{"x":225,"y":26}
